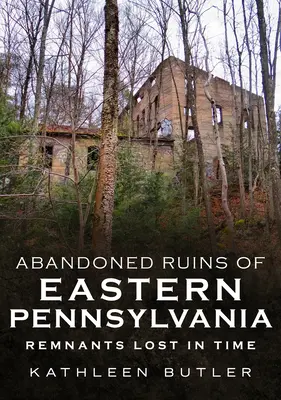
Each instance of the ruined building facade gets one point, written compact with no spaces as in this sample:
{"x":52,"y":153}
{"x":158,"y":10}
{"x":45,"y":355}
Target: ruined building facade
{"x":53,"y":150}
{"x":159,"y":117}
{"x":155,"y":125}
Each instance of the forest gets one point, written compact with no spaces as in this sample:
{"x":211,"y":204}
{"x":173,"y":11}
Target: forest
{"x":58,"y":70}
{"x":72,"y":75}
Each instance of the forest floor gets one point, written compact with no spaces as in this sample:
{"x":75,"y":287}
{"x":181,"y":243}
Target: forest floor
{"x":252,"y":233}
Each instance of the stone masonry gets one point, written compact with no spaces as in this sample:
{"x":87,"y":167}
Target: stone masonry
{"x":159,"y":110}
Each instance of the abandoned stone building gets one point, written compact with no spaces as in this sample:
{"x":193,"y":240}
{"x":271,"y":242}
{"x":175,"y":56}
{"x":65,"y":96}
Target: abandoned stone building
{"x":53,"y":146}
{"x":156,"y":127}
{"x":159,"y":113}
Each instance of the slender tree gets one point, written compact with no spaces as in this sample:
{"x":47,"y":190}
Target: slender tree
{"x":269,"y":65}
{"x":212,"y":100}
{"x":240,"y":114}
{"x":250,"y":105}
{"x":104,"y":199}
{"x":136,"y":57}
{"x":47,"y":12}
{"x":184,"y":12}
{"x":30,"y":20}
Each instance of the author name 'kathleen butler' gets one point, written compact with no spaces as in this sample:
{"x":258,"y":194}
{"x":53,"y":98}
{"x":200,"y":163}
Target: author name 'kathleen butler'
{"x":135,"y":372}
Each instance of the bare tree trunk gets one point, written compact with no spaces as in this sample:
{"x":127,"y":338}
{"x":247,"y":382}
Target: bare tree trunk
{"x":41,"y":63}
{"x":104,"y":199}
{"x":239,"y":123}
{"x":131,"y":107}
{"x":162,"y":17}
{"x":191,"y":102}
{"x":224,"y":190}
{"x":250,"y":112}
{"x":7,"y":41}
{"x":32,"y":30}
{"x":78,"y":192}
{"x":131,"y":95}
{"x":25,"y":87}
{"x":269,"y":85}
{"x":155,"y":133}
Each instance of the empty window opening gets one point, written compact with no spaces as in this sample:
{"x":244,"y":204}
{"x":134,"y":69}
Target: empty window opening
{"x":218,"y":114}
{"x":246,"y":117}
{"x":156,"y":102}
{"x":93,"y":157}
{"x":192,"y":83}
{"x":149,"y":112}
{"x":156,"y":107}
{"x":189,"y":111}
{"x":159,"y":129}
{"x":190,"y":133}
{"x":47,"y":152}
{"x":138,"y":125}
{"x":252,"y":120}
{"x":143,"y":117}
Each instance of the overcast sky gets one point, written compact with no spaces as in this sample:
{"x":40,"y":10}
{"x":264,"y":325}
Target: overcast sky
{"x":212,"y":20}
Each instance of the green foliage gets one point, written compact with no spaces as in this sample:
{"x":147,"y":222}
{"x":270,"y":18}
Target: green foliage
{"x":130,"y":177}
{"x":65,"y":209}
{"x":9,"y":129}
{"x":148,"y":212}
{"x":240,"y":223}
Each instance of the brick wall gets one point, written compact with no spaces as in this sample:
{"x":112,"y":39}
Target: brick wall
{"x":166,"y":87}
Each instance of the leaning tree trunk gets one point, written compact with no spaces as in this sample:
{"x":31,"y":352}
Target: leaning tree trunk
{"x":224,"y":188}
{"x":104,"y":199}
